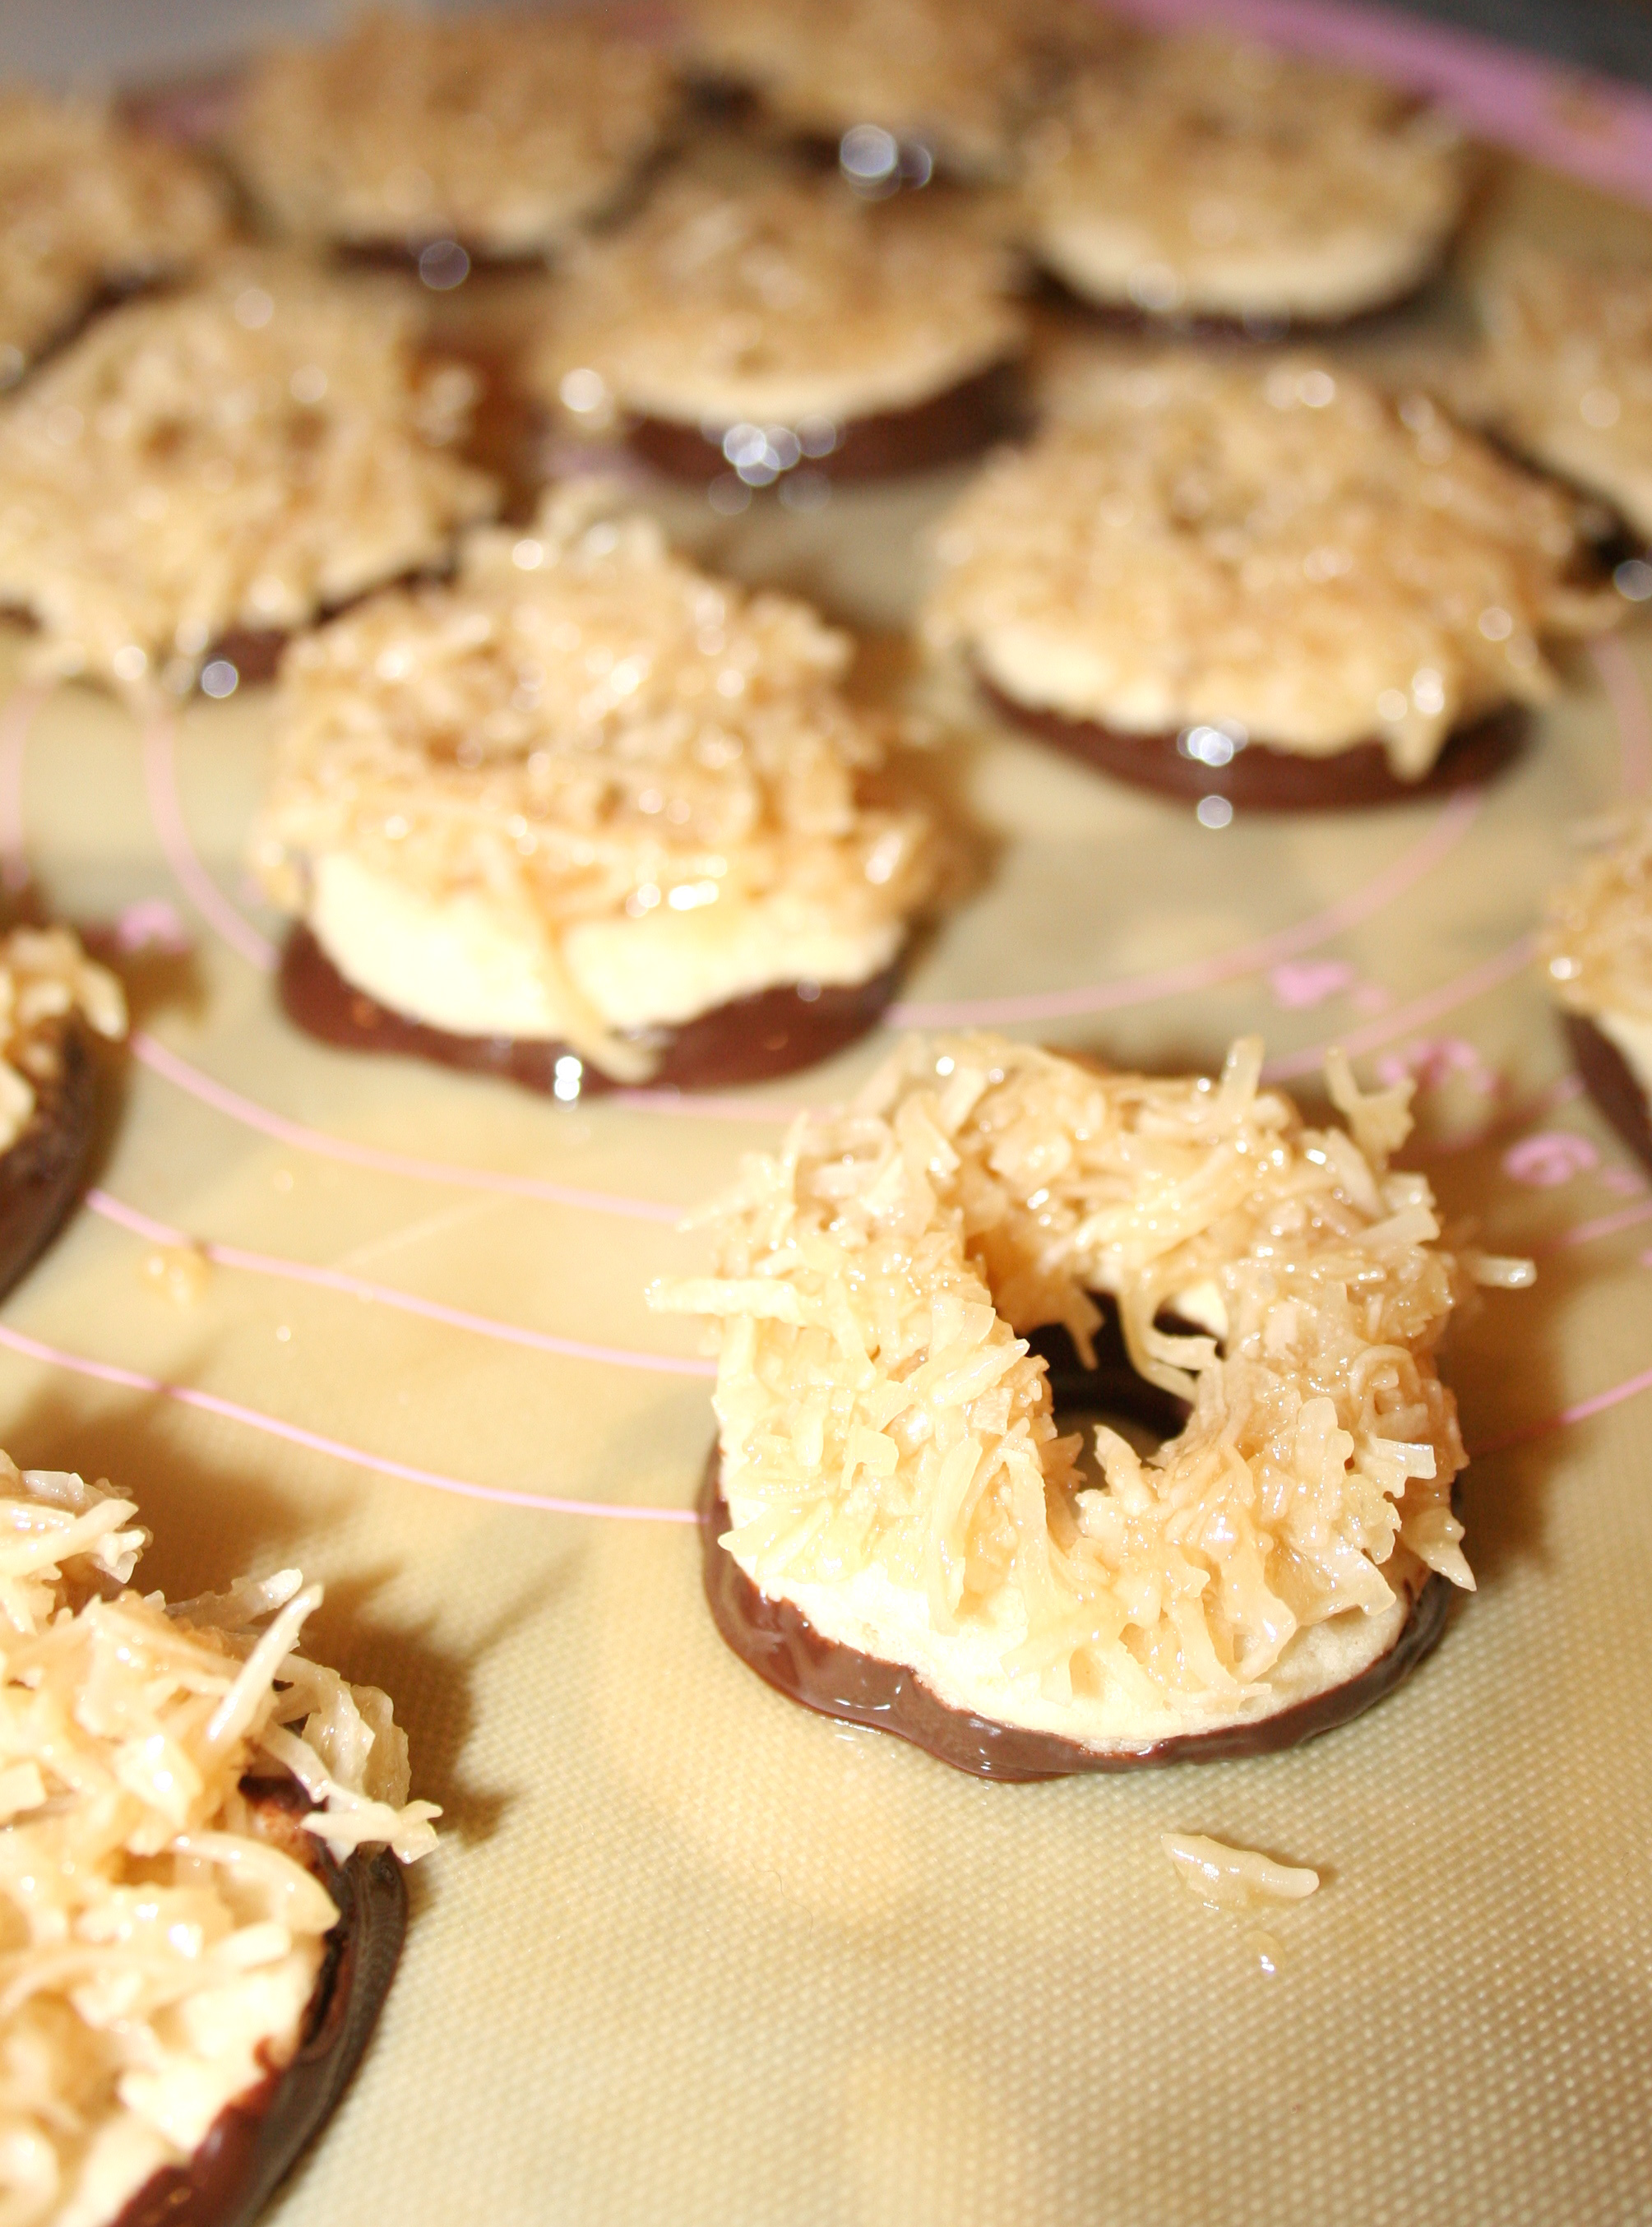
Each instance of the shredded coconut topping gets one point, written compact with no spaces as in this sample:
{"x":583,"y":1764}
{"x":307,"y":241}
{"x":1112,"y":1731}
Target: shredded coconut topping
{"x":85,"y":203}
{"x":1201,"y":174}
{"x":586,"y":728}
{"x":237,"y":456}
{"x":877,"y":1281}
{"x":1268,"y":545}
{"x":44,"y":978}
{"x":158,"y":1947}
{"x":961,"y":79}
{"x":1598,"y":943}
{"x":1566,"y":371}
{"x":503,"y":131}
{"x":778,"y":298}
{"x":1243,"y":1879}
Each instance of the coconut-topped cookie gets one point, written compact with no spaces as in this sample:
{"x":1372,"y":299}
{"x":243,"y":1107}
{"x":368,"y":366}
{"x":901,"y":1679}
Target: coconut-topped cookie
{"x":900,"y":1529}
{"x":950,"y":83}
{"x":198,"y":1938}
{"x":238,"y":455}
{"x":1597,"y":961}
{"x":1204,"y":177}
{"x":504,"y":131}
{"x":588,"y":816}
{"x":54,"y":1003}
{"x":1565,"y":373}
{"x":86,"y":205}
{"x":1260,"y":577}
{"x":776,"y":320}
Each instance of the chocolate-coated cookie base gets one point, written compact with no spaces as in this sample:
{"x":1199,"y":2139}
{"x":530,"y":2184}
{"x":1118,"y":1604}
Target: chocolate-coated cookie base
{"x":750,"y":1040}
{"x":1611,"y":1082}
{"x":961,"y":422}
{"x":778,"y":1643}
{"x":41,"y":1175}
{"x":1257,"y":779}
{"x":255,"y":2140}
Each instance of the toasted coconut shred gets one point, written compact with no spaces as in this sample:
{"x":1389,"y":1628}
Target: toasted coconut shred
{"x":1566,"y":370}
{"x":87,"y":204}
{"x":1272,"y":547}
{"x":239,"y":454}
{"x":1207,"y":175}
{"x":964,"y":80}
{"x":157,"y":1950}
{"x":503,"y":130}
{"x":587,"y":746}
{"x":778,"y":298}
{"x":45,"y":977}
{"x":889,"y":1454}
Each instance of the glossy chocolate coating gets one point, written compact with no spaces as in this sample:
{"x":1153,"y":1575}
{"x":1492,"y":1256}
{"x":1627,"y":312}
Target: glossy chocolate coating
{"x":255,"y":2140}
{"x":1611,"y":1082}
{"x":1259,"y":779}
{"x":962,"y":421}
{"x":776,"y":1640}
{"x":40,"y":1174}
{"x":748,"y":1040}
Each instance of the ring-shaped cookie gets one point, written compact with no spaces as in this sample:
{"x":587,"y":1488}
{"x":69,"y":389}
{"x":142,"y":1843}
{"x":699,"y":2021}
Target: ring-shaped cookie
{"x":901,"y":1533}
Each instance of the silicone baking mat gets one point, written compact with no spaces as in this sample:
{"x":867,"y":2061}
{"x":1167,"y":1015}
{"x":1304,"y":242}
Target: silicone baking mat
{"x":687,"y":1953}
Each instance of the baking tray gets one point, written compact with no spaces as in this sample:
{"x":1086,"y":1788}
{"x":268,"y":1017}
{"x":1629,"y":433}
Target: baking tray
{"x":687,"y":1952}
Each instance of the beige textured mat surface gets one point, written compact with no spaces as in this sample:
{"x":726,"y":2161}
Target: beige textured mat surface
{"x":689,"y":1954}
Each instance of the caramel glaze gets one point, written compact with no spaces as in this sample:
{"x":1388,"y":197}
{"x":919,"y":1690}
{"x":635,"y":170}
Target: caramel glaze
{"x":40,"y":1173}
{"x":255,"y":2139}
{"x":748,"y":1040}
{"x":776,"y":1640}
{"x":1611,"y":1082}
{"x":961,"y":422}
{"x":1261,"y":779}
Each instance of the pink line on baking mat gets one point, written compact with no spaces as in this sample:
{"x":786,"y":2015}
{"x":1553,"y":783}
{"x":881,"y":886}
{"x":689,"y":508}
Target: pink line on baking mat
{"x":20,"y":710}
{"x":222,"y":1099}
{"x":188,"y":1395}
{"x":1604,"y":1225}
{"x":1621,"y":677}
{"x":1579,"y":1411}
{"x":161,"y":784}
{"x":360,"y":1288}
{"x":1450,"y":995}
{"x":1592,"y":126}
{"x":1204,"y":973}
